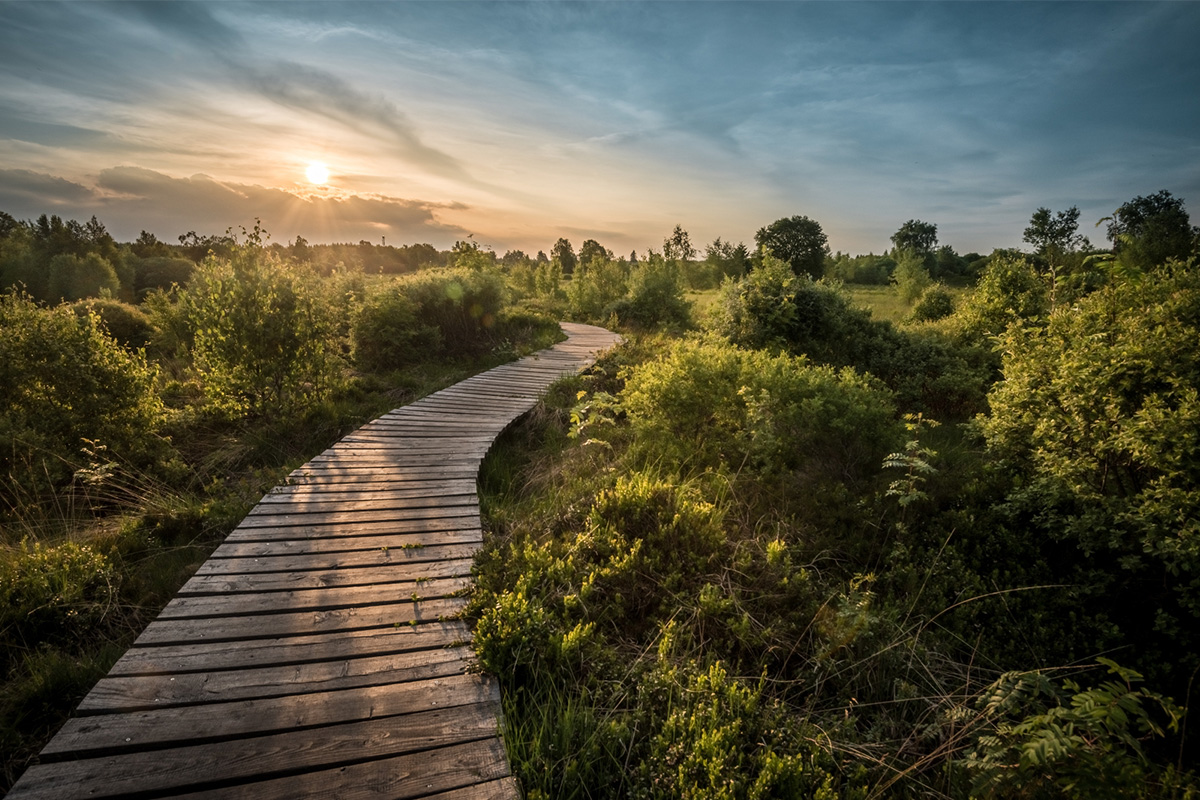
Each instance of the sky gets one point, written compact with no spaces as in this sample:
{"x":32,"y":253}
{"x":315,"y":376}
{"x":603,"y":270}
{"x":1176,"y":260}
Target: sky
{"x":515,"y":124}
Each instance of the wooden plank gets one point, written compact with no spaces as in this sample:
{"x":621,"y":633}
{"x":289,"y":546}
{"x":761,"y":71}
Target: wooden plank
{"x":201,"y":656}
{"x":340,"y":560}
{"x":160,"y":728}
{"x":401,"y":611}
{"x":342,"y":544}
{"x":396,"y":526}
{"x":471,"y":771}
{"x":363,"y":576}
{"x":434,"y":488}
{"x":325,"y":598}
{"x":354,"y":504}
{"x":127,"y":694}
{"x":209,"y":765}
{"x":458,"y":506}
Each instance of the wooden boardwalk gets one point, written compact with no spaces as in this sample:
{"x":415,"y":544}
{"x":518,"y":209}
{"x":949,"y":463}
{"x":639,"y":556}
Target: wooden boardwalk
{"x":318,"y":652}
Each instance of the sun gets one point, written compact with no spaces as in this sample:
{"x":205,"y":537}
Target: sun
{"x":317,"y":173}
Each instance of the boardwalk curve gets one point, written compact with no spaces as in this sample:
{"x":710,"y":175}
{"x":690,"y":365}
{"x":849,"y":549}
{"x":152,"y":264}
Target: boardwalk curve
{"x":317,"y":653}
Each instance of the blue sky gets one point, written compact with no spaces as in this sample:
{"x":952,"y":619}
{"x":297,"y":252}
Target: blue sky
{"x":518,"y":123}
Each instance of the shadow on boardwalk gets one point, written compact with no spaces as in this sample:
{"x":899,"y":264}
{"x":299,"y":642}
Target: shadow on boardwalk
{"x":318,"y":652}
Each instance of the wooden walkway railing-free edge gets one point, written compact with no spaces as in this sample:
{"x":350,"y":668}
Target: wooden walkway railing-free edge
{"x":318,"y":652}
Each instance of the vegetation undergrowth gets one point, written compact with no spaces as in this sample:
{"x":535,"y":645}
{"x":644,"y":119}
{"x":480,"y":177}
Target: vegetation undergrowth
{"x":758,"y":562}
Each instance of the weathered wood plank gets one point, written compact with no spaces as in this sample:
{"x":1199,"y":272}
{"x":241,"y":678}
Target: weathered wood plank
{"x":337,"y":646}
{"x":456,"y":506}
{"x":325,"y":598}
{"x":339,"y":560}
{"x":354,"y":505}
{"x":444,"y":522}
{"x":128,"y":694}
{"x":381,"y":614}
{"x":160,"y":728}
{"x":211,"y":764}
{"x":472,"y":771}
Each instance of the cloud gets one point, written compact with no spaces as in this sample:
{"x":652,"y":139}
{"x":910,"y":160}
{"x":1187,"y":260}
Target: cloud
{"x":129,"y":199}
{"x":21,"y":189}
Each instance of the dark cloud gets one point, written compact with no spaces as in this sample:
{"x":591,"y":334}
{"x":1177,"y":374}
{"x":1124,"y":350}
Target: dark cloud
{"x":25,"y":193}
{"x":130,"y":199}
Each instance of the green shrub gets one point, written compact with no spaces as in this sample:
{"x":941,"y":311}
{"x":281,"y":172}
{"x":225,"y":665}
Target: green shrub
{"x":264,"y":336}
{"x":72,"y":277}
{"x":1009,"y":289}
{"x":910,"y":277}
{"x":386,"y":335}
{"x":655,"y":296}
{"x":161,"y":272}
{"x":595,"y":288}
{"x":67,"y":384}
{"x":52,"y":595}
{"x":126,"y":323}
{"x":935,"y":303}
{"x":708,"y":404}
{"x":462,"y":305}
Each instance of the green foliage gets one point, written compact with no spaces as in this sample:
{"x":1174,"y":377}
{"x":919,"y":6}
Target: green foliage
{"x":596,"y":287}
{"x":935,"y":302}
{"x":869,"y":270}
{"x":910,"y":277}
{"x":1046,"y":740}
{"x":161,"y":272}
{"x":386,"y":334}
{"x":264,"y":339}
{"x":72,"y":277}
{"x":52,"y":595}
{"x":463,"y":306}
{"x":67,"y":384}
{"x":1099,"y":410}
{"x":916,"y":237}
{"x":1148,"y":231}
{"x":711,"y":405}
{"x":128,"y":324}
{"x":798,"y":241}
{"x":655,"y":296}
{"x":1009,"y":290}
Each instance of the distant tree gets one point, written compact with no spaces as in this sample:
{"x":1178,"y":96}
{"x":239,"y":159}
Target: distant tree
{"x":541,"y":256}
{"x":300,"y":251}
{"x":678,"y":246}
{"x":8,"y":225}
{"x":565,"y":254}
{"x":1054,"y":237}
{"x":727,"y":260}
{"x":1147,"y":231}
{"x":591,"y":249}
{"x":514,"y":258}
{"x":797,"y":240}
{"x":917,"y":236}
{"x":74,"y":278}
{"x":147,"y":245}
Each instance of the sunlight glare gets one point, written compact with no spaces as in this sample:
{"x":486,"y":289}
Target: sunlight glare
{"x":317,"y":173}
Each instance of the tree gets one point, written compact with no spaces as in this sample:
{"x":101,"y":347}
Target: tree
{"x":1147,"y":231}
{"x":565,"y":254}
{"x":1054,"y":237}
{"x":727,"y":260}
{"x":591,"y":249}
{"x":797,"y":240}
{"x":678,"y":246}
{"x":916,"y":236}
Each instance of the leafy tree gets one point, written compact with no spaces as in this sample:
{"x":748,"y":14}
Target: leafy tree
{"x":467,"y":254}
{"x":655,"y":295}
{"x":514,"y":258}
{"x":727,"y":260}
{"x":596,"y":286}
{"x":678,"y":246}
{"x":265,"y":340}
{"x":1147,"y":231}
{"x":799,"y":241}
{"x":564,"y":254}
{"x":1054,"y":238}
{"x":590,"y":250}
{"x":74,"y":278}
{"x":916,"y":236}
{"x":910,"y":277}
{"x":1009,"y":290}
{"x":147,"y":245}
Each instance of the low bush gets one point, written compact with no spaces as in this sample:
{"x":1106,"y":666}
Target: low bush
{"x":126,"y":323}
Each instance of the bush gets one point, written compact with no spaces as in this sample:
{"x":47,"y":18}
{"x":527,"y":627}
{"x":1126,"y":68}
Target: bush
{"x":1009,"y":289}
{"x":911,"y":277}
{"x":128,"y":324}
{"x":161,"y":272}
{"x":462,"y":305}
{"x":655,"y":296}
{"x":595,"y":288}
{"x":386,"y":335}
{"x":264,"y":336}
{"x":711,"y":405}
{"x":66,"y":384}
{"x":935,"y":303}
{"x":74,"y":278}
